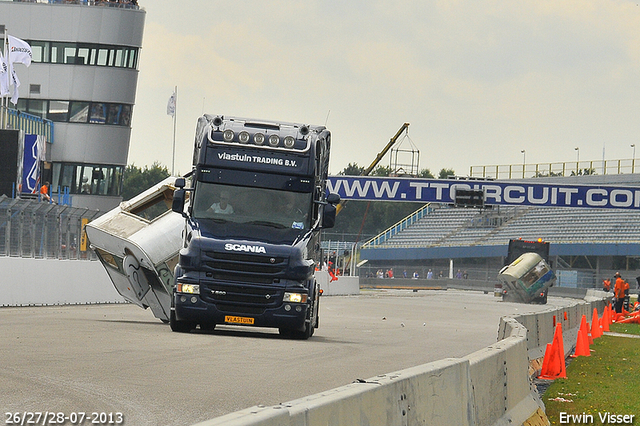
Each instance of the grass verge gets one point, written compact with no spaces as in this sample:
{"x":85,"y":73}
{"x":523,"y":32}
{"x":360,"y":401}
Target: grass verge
{"x":605,"y":382}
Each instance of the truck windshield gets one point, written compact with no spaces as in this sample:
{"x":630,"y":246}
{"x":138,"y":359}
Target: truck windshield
{"x":254,"y":206}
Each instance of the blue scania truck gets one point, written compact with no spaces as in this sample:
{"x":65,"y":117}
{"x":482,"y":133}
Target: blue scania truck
{"x":254,"y":207}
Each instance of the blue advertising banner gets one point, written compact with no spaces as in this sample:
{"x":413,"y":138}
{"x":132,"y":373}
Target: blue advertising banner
{"x":31,"y":165}
{"x":495,"y":193}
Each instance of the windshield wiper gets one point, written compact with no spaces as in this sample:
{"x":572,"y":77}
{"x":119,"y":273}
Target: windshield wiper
{"x":217,"y":220}
{"x":265,"y":223}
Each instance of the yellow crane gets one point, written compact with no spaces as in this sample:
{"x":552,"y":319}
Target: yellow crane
{"x":375,"y":162}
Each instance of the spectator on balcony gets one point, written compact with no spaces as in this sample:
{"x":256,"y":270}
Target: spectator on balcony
{"x":44,"y":192}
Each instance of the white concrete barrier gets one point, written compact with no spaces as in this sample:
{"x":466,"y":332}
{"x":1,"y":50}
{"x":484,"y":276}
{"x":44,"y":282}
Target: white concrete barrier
{"x":28,"y":282}
{"x":492,"y":386}
{"x":343,"y":286}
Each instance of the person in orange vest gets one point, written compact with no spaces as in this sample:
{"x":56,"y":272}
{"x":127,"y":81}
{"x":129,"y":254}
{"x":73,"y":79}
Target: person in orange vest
{"x":606,"y":285}
{"x":620,"y":291}
{"x":44,"y":192}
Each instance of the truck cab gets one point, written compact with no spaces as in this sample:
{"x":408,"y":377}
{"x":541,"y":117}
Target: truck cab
{"x":256,"y":204}
{"x":527,"y":275}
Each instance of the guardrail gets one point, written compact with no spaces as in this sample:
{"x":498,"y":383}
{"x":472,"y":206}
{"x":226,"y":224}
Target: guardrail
{"x":492,"y":386}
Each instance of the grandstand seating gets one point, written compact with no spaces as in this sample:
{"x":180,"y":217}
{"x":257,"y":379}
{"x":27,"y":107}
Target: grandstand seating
{"x":460,"y":227}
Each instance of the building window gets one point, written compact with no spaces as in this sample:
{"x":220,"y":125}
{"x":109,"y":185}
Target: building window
{"x":87,"y":179}
{"x":84,"y":54}
{"x":40,"y":51}
{"x":98,"y":113}
{"x":79,"y":112}
{"x":58,"y":111}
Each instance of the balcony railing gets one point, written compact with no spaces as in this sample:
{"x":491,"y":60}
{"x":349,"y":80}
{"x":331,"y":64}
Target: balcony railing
{"x":124,"y":4}
{"x":30,"y":124}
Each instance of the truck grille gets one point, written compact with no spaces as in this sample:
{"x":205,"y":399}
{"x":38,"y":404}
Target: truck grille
{"x":244,"y":268}
{"x":242,"y":283}
{"x":252,"y":298}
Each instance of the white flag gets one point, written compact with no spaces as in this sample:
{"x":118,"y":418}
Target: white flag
{"x":19,"y":51}
{"x":16,"y":84}
{"x":4,"y":76}
{"x":171,"y":105}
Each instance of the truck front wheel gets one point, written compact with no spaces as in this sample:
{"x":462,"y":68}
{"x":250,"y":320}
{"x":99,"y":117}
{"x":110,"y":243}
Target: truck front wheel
{"x":309,"y":326}
{"x":297,"y":334}
{"x":180,"y":326}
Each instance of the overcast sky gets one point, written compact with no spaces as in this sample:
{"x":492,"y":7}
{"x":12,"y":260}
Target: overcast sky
{"x":478,"y":81}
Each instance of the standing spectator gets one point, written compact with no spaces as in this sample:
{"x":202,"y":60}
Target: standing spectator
{"x":459,"y":275}
{"x":429,"y":275}
{"x":465,"y":275}
{"x":620,"y":291}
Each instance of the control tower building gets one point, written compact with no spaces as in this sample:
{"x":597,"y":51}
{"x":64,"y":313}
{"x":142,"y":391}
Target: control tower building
{"x":83,"y":77}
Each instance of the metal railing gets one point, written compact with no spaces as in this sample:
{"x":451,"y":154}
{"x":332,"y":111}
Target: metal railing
{"x":30,"y":124}
{"x":125,"y":4}
{"x":33,"y":229}
{"x":568,"y":168}
{"x":401,"y":225}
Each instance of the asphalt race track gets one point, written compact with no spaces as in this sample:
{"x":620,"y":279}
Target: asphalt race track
{"x":120,"y":359}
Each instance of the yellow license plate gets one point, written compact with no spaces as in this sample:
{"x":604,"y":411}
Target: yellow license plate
{"x":238,"y":320}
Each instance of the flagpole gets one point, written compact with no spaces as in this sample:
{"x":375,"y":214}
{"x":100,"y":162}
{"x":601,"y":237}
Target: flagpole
{"x":4,"y":54}
{"x":175,"y":113}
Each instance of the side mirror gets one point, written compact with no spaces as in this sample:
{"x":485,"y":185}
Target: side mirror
{"x":179,"y":196}
{"x":179,"y":183}
{"x":333,"y":199}
{"x":329,"y":216}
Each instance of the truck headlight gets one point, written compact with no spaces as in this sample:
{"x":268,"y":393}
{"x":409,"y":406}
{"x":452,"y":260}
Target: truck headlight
{"x":295,"y":298}
{"x":188,"y":288}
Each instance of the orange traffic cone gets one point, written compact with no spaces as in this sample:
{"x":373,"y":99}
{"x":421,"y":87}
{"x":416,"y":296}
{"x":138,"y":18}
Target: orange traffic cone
{"x":595,"y":325}
{"x":604,"y":321}
{"x":582,"y":343}
{"x":553,"y":365}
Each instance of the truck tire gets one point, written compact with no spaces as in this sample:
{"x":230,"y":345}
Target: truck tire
{"x":179,"y":326}
{"x":309,"y":326}
{"x":297,"y":334}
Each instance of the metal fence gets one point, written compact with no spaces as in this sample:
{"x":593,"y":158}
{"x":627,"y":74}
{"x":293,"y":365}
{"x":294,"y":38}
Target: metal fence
{"x":567,"y":168}
{"x":29,"y":228}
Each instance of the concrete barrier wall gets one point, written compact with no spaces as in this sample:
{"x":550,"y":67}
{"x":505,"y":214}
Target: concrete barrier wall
{"x":489,"y":387}
{"x":343,"y":286}
{"x":28,"y":282}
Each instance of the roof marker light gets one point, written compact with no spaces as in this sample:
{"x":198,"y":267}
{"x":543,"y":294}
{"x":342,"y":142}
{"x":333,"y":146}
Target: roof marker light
{"x":243,"y":137}
{"x":258,"y":138}
{"x":228,"y":135}
{"x":274,"y":140}
{"x":289,"y":142}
